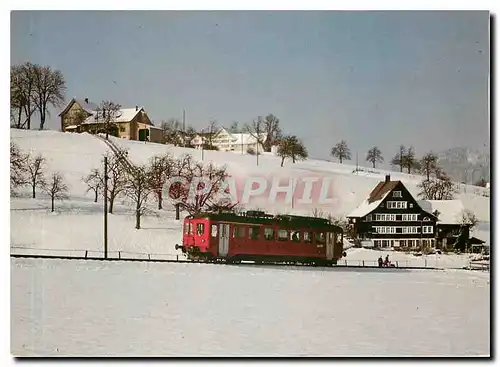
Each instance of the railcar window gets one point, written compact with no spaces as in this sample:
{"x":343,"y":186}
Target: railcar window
{"x":269,"y":234}
{"x":308,"y":237}
{"x":186,"y":228}
{"x":282,"y":235}
{"x":295,"y":236}
{"x":214,"y":230}
{"x":320,"y":237}
{"x":190,"y":228}
{"x":253,"y":233}
{"x":238,"y":231}
{"x":200,"y":228}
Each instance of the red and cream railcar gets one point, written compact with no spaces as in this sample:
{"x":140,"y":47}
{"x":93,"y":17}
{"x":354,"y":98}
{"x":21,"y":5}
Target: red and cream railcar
{"x":260,"y":237}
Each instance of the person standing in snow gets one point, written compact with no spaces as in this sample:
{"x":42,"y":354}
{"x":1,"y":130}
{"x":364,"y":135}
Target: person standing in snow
{"x":380,"y":261}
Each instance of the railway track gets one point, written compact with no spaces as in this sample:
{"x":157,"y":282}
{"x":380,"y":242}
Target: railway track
{"x":186,"y":261}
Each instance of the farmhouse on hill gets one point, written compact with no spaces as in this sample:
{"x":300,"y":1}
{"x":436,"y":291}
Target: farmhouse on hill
{"x":132,"y":123}
{"x":391,"y":217}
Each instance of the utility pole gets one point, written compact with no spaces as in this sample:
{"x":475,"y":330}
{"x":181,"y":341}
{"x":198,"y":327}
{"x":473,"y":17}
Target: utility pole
{"x":357,"y":169}
{"x":105,"y":122}
{"x":105,"y":207}
{"x":184,"y":127}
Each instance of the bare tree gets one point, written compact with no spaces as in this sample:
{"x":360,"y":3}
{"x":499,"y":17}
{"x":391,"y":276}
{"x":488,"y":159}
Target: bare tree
{"x":399,"y":158}
{"x":138,"y":188}
{"x":109,"y":111}
{"x":409,"y":160}
{"x":171,"y":130}
{"x":374,"y":155}
{"x":22,"y":93}
{"x":439,"y":188}
{"x":468,"y":218}
{"x":341,"y":151}
{"x":257,"y":130}
{"x":428,"y":164}
{"x":56,"y":188}
{"x":18,"y":167}
{"x":292,"y":147}
{"x":201,"y":189}
{"x":35,"y":169}
{"x":94,"y":181}
{"x":117,"y":177}
{"x":235,"y":129}
{"x":161,"y":168}
{"x":49,"y":88}
{"x":209,"y":134}
{"x":272,"y":131}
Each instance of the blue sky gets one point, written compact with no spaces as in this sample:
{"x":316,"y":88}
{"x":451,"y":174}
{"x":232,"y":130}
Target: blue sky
{"x":371,"y":78}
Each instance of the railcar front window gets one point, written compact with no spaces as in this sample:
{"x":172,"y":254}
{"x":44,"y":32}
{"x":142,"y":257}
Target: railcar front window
{"x":320,"y":238}
{"x":282,"y":235}
{"x":308,"y":237}
{"x":200,"y":228}
{"x":186,"y":228}
{"x":214,"y":230}
{"x":190,"y":228}
{"x":269,"y":234}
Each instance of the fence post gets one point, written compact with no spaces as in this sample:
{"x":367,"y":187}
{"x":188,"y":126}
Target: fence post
{"x":86,"y":253}
{"x":345,"y":262}
{"x":425,"y":262}
{"x":397,"y":264}
{"x":149,"y":256}
{"x":363,"y":263}
{"x":177,"y":257}
{"x":119,"y":256}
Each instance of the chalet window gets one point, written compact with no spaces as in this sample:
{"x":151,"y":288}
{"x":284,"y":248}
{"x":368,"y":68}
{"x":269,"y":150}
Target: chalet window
{"x":426,"y":219}
{"x":410,"y":243}
{"x":253,"y":232}
{"x":308,"y":237}
{"x":381,"y":229}
{"x":295,"y":236}
{"x":214,"y":230}
{"x":282,"y":235}
{"x":399,"y":229}
{"x":320,"y":238}
{"x":200,"y":228}
{"x":392,"y":217}
{"x":369,"y":218}
{"x":396,"y":194}
{"x":382,"y":216}
{"x":122,"y":129}
{"x":269,"y":234}
{"x":404,"y":217}
{"x":411,"y":205}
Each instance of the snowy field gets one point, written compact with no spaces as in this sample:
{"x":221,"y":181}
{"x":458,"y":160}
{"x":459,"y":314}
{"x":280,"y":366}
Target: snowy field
{"x":82,"y":308}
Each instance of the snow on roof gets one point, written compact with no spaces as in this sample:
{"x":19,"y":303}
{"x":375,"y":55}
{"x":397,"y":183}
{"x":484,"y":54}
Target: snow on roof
{"x":365,"y":208}
{"x":449,"y":210}
{"x":89,"y":107}
{"x":245,"y":138}
{"x":123,"y":115}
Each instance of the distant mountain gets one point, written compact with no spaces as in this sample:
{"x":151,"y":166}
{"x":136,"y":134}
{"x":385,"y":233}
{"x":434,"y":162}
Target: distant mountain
{"x":465,"y":164}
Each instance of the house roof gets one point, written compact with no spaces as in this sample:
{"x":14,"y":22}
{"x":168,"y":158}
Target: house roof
{"x":449,"y":210}
{"x":245,"y":138}
{"x":123,"y":115}
{"x":381,"y":190}
{"x":90,"y":107}
{"x":378,"y":194}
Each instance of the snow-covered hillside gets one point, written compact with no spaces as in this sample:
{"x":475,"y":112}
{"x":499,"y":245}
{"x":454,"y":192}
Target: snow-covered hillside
{"x":77,"y":223}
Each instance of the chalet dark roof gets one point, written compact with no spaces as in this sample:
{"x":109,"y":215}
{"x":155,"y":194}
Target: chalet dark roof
{"x":381,"y":190}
